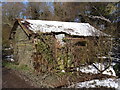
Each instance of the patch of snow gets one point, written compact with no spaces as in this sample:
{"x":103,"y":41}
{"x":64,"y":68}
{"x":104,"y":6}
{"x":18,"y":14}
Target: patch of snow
{"x":104,"y":57}
{"x":77,"y":69}
{"x":63,"y":71}
{"x":113,"y":64}
{"x":10,"y":59}
{"x":60,"y":38}
{"x":93,"y":70}
{"x":89,"y":69}
{"x":117,"y":59}
{"x":109,"y":83}
{"x":7,"y":48}
{"x":22,"y":21}
{"x":110,"y":71}
{"x":9,"y":56}
{"x":118,"y":84}
{"x":71,"y":28}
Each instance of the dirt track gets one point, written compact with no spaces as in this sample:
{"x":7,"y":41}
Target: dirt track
{"x":11,"y":80}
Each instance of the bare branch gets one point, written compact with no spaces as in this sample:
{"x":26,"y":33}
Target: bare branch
{"x":99,"y":17}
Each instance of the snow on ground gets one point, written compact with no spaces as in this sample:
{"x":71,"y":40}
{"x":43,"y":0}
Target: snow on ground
{"x":109,"y":83}
{"x":9,"y":58}
{"x":92,"y":69}
{"x":7,"y":48}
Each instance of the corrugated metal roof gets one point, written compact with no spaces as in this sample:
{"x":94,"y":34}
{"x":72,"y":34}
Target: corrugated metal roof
{"x":71,"y":28}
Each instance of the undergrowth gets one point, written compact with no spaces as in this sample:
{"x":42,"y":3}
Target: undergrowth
{"x":15,"y":66}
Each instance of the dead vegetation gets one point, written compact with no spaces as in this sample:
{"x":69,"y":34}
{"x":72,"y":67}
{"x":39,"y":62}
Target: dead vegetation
{"x":58,"y":80}
{"x":50,"y":56}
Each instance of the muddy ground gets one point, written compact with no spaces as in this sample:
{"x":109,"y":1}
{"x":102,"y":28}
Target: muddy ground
{"x":18,"y":79}
{"x":10,"y":79}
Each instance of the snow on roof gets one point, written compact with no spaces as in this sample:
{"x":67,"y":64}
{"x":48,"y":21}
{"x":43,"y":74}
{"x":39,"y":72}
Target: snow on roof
{"x":71,"y":28}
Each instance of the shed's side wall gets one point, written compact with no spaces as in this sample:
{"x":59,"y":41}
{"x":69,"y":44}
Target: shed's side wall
{"x":23,"y":48}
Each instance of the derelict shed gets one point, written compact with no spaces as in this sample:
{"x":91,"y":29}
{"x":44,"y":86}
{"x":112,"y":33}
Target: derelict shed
{"x":51,"y":44}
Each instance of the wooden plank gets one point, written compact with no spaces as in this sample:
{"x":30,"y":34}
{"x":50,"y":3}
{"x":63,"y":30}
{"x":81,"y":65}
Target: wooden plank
{"x":24,"y":29}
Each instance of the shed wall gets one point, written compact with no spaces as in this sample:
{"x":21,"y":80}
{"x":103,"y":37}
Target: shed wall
{"x":23,"y":48}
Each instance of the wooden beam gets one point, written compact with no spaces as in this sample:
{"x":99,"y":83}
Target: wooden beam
{"x":24,"y":29}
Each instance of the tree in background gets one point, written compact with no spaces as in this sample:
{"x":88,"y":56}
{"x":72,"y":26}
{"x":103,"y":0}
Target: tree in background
{"x":11,"y":11}
{"x":38,"y":10}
